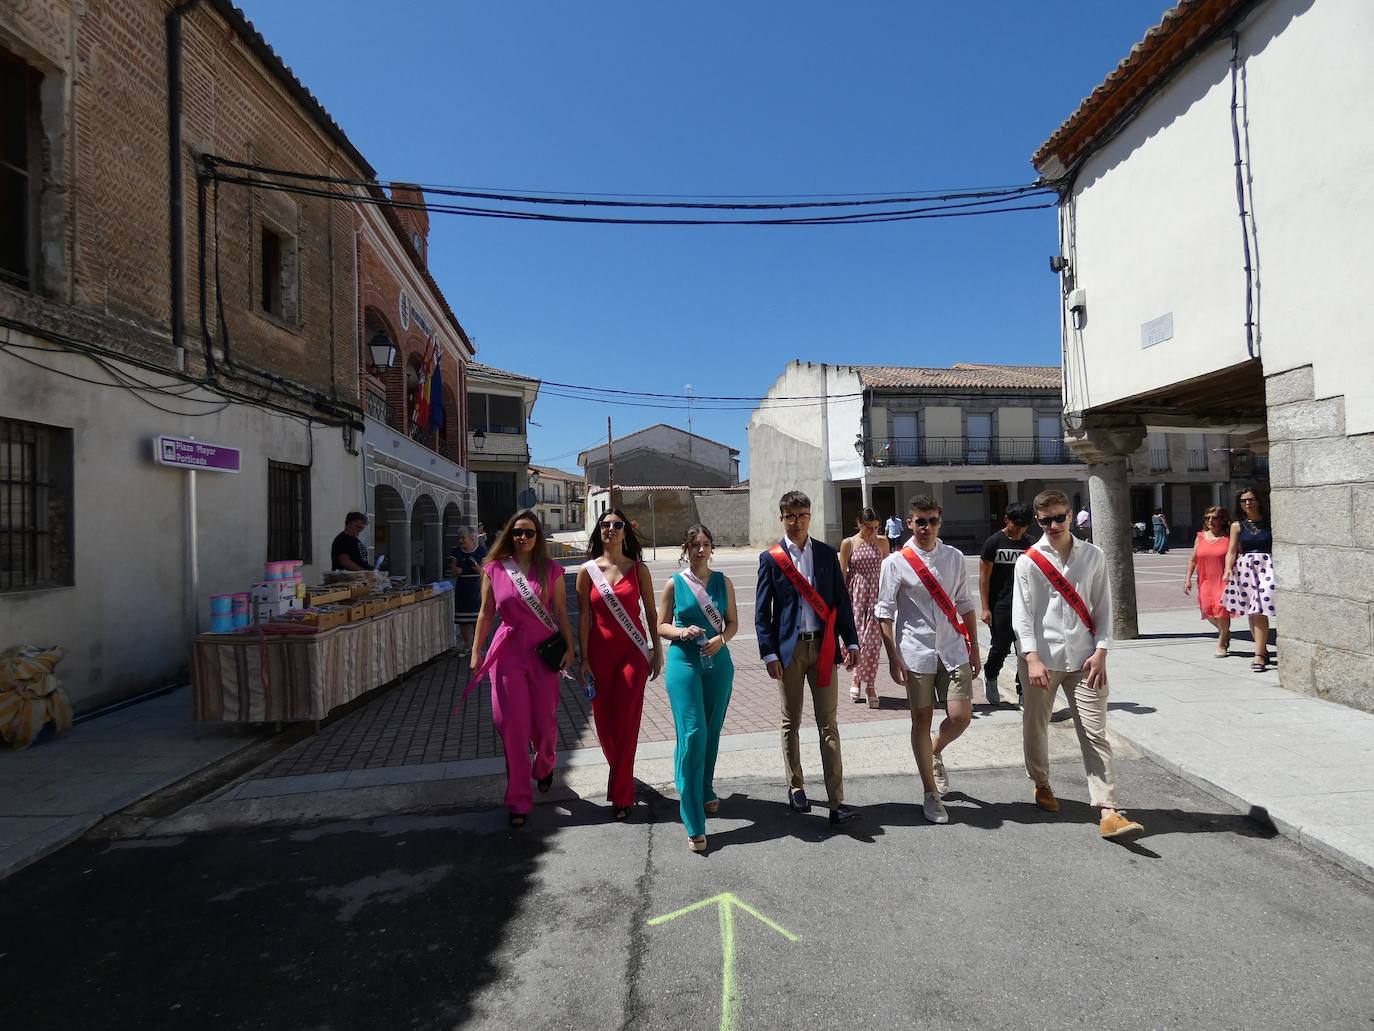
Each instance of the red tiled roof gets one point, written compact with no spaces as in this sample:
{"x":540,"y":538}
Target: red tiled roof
{"x":1184,"y":27}
{"x":963,"y":375}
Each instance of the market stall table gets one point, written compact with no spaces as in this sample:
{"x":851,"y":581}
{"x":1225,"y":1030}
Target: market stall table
{"x":256,"y":677}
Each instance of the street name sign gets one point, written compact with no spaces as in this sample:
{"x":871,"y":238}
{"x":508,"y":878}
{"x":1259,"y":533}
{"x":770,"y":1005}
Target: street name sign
{"x":188,"y":453}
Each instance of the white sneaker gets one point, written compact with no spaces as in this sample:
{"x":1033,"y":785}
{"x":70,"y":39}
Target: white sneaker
{"x":941,"y":777}
{"x":990,"y":689}
{"x":934,"y":809}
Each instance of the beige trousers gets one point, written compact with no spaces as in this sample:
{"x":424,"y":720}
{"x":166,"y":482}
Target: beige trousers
{"x":1089,"y":709}
{"x":803,"y":670}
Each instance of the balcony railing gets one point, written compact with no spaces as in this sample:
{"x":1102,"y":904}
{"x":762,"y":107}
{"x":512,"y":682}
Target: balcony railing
{"x":1159,"y":460}
{"x":378,"y":408}
{"x":1197,"y":460}
{"x":909,"y":451}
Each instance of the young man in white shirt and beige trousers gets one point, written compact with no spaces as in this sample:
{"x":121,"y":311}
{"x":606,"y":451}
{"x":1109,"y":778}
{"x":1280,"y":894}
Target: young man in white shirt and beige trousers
{"x":927,"y":653}
{"x":1059,"y":649}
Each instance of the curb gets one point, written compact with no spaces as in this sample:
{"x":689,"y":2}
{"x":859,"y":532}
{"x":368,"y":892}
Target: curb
{"x":1258,"y":813}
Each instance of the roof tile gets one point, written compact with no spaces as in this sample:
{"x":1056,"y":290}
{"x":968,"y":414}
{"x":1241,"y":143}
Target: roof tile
{"x":962,"y":375}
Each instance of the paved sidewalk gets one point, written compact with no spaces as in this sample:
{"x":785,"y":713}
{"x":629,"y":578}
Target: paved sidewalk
{"x":1307,"y":763}
{"x":56,"y":790}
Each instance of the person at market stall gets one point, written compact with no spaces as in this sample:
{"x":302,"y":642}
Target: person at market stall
{"x":348,"y":552}
{"x":465,"y":569}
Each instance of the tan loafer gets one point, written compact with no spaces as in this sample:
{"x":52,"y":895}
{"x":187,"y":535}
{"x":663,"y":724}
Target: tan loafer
{"x":1045,"y":799}
{"x":1117,"y":825}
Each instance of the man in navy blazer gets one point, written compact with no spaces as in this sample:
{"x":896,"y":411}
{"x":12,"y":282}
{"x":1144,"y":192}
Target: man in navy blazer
{"x":791,"y":634}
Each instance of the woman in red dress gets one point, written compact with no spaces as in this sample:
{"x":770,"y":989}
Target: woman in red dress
{"x":616,"y":649}
{"x":1209,"y":560}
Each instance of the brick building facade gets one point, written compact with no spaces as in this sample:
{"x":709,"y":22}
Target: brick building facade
{"x":95,"y":539}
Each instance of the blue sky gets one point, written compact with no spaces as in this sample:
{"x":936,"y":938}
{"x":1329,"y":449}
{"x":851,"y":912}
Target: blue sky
{"x":715,"y":98}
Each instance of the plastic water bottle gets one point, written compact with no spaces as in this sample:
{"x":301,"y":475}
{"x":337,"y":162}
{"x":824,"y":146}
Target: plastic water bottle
{"x":706,"y":661}
{"x":589,"y":687}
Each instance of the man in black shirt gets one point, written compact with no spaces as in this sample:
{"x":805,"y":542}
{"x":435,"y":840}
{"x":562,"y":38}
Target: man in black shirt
{"x":995,"y":578}
{"x":347,"y":551}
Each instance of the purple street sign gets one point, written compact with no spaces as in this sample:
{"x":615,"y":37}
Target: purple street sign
{"x":195,"y":454}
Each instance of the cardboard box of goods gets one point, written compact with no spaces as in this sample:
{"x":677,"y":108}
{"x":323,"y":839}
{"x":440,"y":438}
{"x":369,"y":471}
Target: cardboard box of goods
{"x":326,"y":594}
{"x":326,"y":619}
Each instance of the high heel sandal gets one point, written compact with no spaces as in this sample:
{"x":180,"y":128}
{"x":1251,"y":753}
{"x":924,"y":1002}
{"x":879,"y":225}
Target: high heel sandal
{"x":517,"y":819}
{"x":697,"y":844}
{"x":854,"y":695}
{"x":712,"y":807}
{"x":544,"y":783}
{"x":874,"y":702}
{"x":622,"y":812}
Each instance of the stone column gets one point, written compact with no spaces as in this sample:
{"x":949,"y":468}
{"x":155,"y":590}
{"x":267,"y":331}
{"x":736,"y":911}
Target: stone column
{"x":1159,"y":495}
{"x":432,"y":568}
{"x":1105,"y":449}
{"x":937,"y":491}
{"x":1013,"y":491}
{"x":1218,"y":495}
{"x":866,"y":489}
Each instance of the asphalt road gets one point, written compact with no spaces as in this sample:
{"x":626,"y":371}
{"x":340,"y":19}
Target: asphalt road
{"x":1005,"y":918}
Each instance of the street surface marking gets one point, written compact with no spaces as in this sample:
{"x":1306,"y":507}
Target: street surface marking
{"x":727,"y":901}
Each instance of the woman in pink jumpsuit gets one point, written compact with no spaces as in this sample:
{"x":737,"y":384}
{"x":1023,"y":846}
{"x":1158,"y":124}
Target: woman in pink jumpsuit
{"x":524,"y":691}
{"x":617,"y":666}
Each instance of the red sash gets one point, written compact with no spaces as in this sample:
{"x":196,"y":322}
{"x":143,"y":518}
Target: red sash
{"x":1065,"y":589}
{"x":938,"y":595}
{"x":818,"y":605}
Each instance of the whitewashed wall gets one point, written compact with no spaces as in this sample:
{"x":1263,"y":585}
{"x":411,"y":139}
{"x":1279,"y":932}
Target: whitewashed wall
{"x":1157,"y":229}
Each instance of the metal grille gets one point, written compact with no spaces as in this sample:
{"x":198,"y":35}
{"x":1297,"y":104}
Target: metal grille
{"x":34,"y":515}
{"x":288,"y":512}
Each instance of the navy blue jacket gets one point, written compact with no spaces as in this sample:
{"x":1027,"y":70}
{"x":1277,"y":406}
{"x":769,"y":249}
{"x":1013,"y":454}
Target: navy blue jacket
{"x":776,"y":602}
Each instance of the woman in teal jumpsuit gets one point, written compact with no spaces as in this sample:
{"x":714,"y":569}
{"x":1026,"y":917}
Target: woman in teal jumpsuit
{"x":699,"y":676}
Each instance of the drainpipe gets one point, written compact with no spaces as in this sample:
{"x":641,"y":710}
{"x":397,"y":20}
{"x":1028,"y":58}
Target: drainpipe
{"x":176,"y":202}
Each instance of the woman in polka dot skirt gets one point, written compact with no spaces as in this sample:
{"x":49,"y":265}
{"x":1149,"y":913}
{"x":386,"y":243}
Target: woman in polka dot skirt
{"x":861,"y":556}
{"x":1250,"y":573}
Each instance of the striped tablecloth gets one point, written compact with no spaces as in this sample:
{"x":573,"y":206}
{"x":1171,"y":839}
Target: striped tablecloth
{"x":262,"y":678}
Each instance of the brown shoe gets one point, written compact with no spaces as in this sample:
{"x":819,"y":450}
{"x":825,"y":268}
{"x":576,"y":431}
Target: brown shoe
{"x":1117,"y":825}
{"x":1045,"y":799}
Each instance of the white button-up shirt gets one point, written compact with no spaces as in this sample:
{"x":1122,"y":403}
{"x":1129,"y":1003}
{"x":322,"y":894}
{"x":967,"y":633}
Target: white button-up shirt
{"x":894,"y":526}
{"x":804,"y":559}
{"x":925,"y":637}
{"x":1045,"y":623}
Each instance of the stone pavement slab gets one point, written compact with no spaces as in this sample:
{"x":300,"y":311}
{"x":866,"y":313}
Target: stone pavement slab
{"x":1308,"y":764}
{"x":54,"y":791}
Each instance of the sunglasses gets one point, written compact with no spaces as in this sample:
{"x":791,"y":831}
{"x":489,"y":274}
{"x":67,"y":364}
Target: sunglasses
{"x":522,"y":534}
{"x":923,"y":522}
{"x":1051,"y":520}
{"x":612,"y":525}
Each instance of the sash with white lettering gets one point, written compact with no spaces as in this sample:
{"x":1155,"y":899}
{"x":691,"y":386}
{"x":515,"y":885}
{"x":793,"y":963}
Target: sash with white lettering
{"x":826,"y":661}
{"x":612,"y":601}
{"x":938,"y":594}
{"x":526,"y":592}
{"x":698,"y":590}
{"x":1062,"y":585}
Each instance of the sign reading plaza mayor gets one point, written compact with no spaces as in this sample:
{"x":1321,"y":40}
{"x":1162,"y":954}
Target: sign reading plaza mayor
{"x":186,"y":453}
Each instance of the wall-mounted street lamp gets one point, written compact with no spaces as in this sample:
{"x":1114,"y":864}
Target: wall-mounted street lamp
{"x":382,"y":353}
{"x":859,"y":444}
{"x":479,"y":439}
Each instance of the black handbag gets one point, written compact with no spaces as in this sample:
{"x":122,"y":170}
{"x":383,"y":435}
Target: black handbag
{"x":551,"y":650}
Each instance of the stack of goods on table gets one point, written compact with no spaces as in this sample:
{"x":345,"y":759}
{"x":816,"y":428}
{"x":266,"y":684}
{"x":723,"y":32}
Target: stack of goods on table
{"x":284,"y":604}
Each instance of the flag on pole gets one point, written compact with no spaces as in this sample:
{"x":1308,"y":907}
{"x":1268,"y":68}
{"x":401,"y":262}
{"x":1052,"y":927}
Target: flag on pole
{"x":436,"y":396}
{"x":420,"y":417}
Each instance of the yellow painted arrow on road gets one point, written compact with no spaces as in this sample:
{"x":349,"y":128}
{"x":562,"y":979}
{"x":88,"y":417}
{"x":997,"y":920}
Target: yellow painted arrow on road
{"x":727,"y":902}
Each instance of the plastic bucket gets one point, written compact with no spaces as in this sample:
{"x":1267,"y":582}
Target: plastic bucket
{"x":221,"y":613}
{"x":243,"y":610}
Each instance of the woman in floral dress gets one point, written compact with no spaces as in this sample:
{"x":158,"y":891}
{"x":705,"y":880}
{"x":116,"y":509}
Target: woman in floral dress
{"x":860,"y":558}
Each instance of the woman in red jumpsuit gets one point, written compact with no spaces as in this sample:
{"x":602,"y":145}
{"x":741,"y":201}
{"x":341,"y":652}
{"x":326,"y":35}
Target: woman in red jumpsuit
{"x":617,"y":650}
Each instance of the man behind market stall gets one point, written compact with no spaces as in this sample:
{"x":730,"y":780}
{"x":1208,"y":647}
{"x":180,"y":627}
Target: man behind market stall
{"x":348,"y":552}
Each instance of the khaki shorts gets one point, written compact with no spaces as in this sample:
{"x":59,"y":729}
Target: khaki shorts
{"x":923,"y":690}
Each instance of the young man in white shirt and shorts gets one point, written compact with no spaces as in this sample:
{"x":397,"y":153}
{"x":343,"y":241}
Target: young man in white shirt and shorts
{"x":928,"y":618}
{"x":1062,"y":615}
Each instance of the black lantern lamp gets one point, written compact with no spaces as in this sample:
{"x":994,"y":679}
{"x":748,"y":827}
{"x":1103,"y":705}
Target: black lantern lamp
{"x":382,"y":351}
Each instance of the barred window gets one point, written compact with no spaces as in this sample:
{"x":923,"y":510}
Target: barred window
{"x":35,"y":505}
{"x":288,"y":512}
{"x":18,"y":150}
